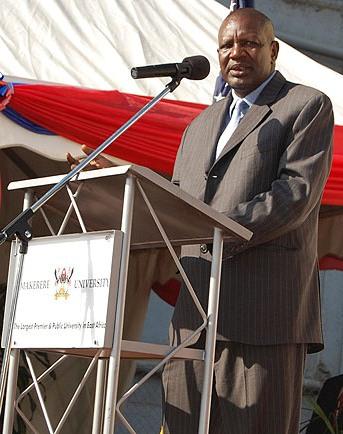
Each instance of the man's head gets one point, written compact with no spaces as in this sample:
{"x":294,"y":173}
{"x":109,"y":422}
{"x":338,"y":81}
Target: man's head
{"x":247,"y":49}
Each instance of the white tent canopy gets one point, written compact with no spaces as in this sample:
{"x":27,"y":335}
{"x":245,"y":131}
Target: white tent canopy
{"x":95,"y":44}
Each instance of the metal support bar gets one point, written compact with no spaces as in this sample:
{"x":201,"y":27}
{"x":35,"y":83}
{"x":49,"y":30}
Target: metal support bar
{"x":10,"y":361}
{"x":210,"y":346}
{"x":146,"y":377}
{"x":39,"y":379}
{"x":76,"y":209}
{"x":32,"y":386}
{"x":39,"y":394}
{"x":11,"y":391}
{"x":114,"y":360}
{"x":77,"y":392}
{"x":47,"y":222}
{"x":35,"y":385}
{"x":69,"y":211}
{"x":100,"y":390}
{"x":173,"y":254}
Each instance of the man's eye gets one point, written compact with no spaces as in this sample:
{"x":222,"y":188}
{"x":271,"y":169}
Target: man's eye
{"x":247,"y":45}
{"x":250,"y":44}
{"x":225,"y":48}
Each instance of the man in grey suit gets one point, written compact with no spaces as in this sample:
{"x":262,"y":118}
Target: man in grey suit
{"x":261,"y":156}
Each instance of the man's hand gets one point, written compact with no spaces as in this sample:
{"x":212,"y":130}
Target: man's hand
{"x":99,"y":162}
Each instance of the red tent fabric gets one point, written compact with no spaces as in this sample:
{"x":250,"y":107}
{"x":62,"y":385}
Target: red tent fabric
{"x":330,"y":263}
{"x":91,"y":116}
{"x":333,"y":193}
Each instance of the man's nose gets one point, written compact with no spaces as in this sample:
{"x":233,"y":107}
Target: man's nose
{"x":236,"y":50}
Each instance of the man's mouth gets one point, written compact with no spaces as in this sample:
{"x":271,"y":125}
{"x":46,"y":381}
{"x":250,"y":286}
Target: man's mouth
{"x":239,"y":70}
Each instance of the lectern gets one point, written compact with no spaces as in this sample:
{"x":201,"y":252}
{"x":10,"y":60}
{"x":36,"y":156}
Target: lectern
{"x":148,"y":212}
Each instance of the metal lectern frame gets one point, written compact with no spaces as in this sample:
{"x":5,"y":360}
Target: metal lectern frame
{"x":131,"y":177}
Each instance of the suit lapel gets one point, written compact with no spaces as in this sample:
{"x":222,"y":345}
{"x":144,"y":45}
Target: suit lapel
{"x":255,"y":115}
{"x":216,"y":126}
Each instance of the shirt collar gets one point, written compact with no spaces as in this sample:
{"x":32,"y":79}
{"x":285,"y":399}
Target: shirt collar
{"x":252,"y":96}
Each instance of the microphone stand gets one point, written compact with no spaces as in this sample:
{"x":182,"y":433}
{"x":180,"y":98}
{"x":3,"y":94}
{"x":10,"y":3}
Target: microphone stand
{"x":21,"y":229}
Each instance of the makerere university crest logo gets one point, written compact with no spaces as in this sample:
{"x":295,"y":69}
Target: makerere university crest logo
{"x":63,"y":282}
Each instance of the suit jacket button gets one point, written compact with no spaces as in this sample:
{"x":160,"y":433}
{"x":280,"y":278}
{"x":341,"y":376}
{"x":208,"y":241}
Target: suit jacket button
{"x":203,"y":248}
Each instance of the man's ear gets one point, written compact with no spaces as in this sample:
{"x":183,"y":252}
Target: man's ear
{"x":275,"y":50}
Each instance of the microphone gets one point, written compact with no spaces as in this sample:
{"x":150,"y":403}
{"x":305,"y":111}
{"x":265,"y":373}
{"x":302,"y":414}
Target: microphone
{"x":193,"y":68}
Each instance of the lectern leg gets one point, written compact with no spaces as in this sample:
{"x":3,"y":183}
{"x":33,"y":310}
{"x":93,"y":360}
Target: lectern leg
{"x":210,"y":346}
{"x":114,"y":361}
{"x":99,"y":396}
{"x":10,"y":362}
{"x":12,"y":377}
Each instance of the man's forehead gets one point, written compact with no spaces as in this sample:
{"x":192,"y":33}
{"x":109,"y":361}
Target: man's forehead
{"x":246,"y":27}
{"x":234,"y":32}
{"x":230,"y":33}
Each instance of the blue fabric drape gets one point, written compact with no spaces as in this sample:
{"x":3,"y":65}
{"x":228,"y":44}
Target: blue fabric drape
{"x":25,"y":123}
{"x":16,"y":117}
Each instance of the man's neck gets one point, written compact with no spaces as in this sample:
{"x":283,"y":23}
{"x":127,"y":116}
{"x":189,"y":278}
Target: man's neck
{"x":252,"y":96}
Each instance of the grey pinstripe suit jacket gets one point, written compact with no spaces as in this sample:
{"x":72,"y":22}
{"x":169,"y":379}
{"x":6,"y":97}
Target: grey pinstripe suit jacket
{"x":269,"y":177}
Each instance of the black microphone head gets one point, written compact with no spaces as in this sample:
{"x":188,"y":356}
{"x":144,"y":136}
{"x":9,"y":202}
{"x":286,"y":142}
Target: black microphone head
{"x":199,"y":67}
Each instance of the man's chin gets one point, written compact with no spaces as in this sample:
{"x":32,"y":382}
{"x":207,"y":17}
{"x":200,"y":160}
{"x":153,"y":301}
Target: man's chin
{"x":239,"y":84}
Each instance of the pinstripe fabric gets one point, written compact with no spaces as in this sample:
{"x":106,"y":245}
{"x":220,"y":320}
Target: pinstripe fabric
{"x":256,"y":390}
{"x":269,"y":178}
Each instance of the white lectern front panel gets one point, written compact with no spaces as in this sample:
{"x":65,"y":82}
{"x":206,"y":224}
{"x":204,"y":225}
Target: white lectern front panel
{"x":67,"y":291}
